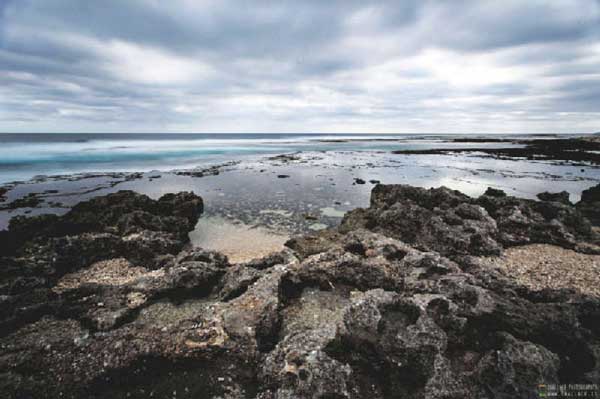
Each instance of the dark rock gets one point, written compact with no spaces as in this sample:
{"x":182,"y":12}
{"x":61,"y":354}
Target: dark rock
{"x":237,"y":280}
{"x":494,"y":192}
{"x":577,"y":151}
{"x":29,"y":201}
{"x":592,"y":194}
{"x":309,"y":216}
{"x":562,"y":197}
{"x":374,"y":181}
{"x":312,"y":244}
{"x":590,"y":204}
{"x":453,"y":224}
{"x":358,"y":180}
{"x":285,"y":158}
{"x":271,"y":260}
{"x":341,"y":314}
{"x":210,"y":171}
{"x":38,"y":251}
{"x":436,"y":219}
{"x":283,"y":176}
{"x":185,"y":204}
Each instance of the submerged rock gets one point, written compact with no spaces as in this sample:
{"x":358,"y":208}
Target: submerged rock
{"x":29,"y":201}
{"x":352,"y":313}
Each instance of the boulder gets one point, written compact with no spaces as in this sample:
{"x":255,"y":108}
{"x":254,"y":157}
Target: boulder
{"x":454,"y":224}
{"x":590,"y":204}
{"x":562,"y":197}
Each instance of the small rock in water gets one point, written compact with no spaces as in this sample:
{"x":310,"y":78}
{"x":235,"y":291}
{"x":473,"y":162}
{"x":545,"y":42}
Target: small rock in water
{"x":308,"y":216}
{"x":283,"y":176}
{"x":358,"y":180}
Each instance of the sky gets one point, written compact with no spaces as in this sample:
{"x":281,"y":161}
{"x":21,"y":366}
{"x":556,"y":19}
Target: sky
{"x":419,"y":66}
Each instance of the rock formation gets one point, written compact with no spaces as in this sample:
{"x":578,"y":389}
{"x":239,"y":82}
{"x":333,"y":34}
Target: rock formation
{"x":108,"y":302}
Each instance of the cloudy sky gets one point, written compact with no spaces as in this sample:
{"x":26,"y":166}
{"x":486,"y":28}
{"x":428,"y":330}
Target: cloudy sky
{"x":299,"y":66}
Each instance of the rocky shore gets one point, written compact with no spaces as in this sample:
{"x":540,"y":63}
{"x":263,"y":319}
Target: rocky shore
{"x":402,"y":300}
{"x":580,"y":150}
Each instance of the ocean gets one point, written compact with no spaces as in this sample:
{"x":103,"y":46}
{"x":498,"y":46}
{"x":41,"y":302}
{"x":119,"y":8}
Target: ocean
{"x":242,"y":180}
{"x":24,"y":156}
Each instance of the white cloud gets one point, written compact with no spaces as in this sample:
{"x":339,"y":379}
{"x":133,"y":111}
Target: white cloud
{"x":148,"y":65}
{"x":301,"y":66}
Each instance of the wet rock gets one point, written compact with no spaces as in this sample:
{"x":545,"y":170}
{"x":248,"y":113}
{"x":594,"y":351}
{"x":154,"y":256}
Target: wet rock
{"x":358,"y":180}
{"x":213,"y":170}
{"x":494,"y":192}
{"x":562,"y":197}
{"x":577,"y":151}
{"x":283,"y":176}
{"x":29,"y":201}
{"x":309,"y":216}
{"x":285,"y":158}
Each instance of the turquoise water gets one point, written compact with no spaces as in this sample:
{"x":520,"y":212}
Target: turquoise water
{"x":23,"y":156}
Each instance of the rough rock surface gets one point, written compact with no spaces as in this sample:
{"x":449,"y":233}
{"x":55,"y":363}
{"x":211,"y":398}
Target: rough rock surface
{"x":354,"y":314}
{"x":37,"y":251}
{"x":590,"y":204}
{"x":454,"y":224}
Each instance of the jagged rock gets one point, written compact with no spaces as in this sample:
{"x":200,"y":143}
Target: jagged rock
{"x":592,"y":194}
{"x":436,"y":219}
{"x":494,"y":192}
{"x":590,"y":204}
{"x":345,"y":314}
{"x":237,"y":280}
{"x":522,"y":221}
{"x":311,"y":244}
{"x":454,"y":224}
{"x":38,"y":251}
{"x":562,"y":197}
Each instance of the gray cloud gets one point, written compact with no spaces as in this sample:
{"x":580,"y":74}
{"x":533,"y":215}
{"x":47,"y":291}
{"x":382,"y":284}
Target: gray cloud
{"x":335,"y":66}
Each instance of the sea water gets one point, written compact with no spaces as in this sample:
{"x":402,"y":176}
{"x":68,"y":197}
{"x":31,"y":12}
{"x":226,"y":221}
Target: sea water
{"x":23,"y":156}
